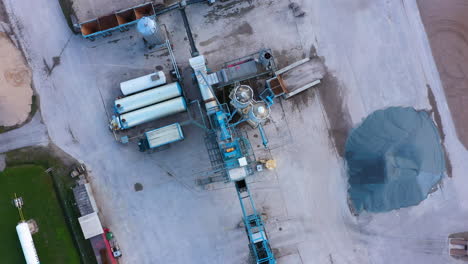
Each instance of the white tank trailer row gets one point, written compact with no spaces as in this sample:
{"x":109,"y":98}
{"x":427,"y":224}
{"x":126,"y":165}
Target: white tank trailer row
{"x":146,"y":105}
{"x":149,"y":97}
{"x":149,"y":113}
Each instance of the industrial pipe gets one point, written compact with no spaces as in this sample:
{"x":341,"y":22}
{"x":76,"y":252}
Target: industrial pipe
{"x":189,"y":33}
{"x":263,"y":135}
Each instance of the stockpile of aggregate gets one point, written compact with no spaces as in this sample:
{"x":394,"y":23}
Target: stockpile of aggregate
{"x":394,"y":159}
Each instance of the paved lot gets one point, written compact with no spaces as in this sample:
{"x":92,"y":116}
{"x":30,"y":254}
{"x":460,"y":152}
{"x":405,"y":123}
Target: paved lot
{"x":33,"y":133}
{"x":377,"y":56}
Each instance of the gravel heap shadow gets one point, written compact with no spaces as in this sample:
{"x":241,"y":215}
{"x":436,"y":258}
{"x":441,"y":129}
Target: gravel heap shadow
{"x":394,"y":159}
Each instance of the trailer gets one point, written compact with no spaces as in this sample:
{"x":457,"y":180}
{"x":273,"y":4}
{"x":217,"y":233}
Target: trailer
{"x":149,"y":97}
{"x":142,"y":83}
{"x":27,"y":243}
{"x":120,"y":20}
{"x":147,"y":114}
{"x":111,"y":244}
{"x":162,"y":136}
{"x":458,"y":246}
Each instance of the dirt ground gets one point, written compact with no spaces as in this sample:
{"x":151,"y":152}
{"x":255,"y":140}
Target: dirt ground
{"x":446,"y":24}
{"x":15,"y":84}
{"x":3,"y":14}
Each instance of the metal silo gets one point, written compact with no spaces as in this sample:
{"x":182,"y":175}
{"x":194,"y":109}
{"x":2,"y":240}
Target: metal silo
{"x":259,"y":112}
{"x":241,"y":96}
{"x":265,"y":58}
{"x":151,"y":32}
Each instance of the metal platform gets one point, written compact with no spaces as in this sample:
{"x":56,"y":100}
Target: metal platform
{"x":260,"y":250}
{"x":219,"y":170}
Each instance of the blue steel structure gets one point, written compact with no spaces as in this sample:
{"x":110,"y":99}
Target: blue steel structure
{"x":254,"y":227}
{"x":268,"y":95}
{"x":223,"y":132}
{"x":231,"y":149}
{"x":227,"y":147}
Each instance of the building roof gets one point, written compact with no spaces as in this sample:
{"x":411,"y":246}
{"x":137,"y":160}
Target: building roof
{"x":84,"y":199}
{"x":90,"y":225}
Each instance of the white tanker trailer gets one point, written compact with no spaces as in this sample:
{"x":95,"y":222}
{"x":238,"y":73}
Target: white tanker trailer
{"x":27,"y":243}
{"x":142,"y":83}
{"x":149,"y":97}
{"x":149,"y":113}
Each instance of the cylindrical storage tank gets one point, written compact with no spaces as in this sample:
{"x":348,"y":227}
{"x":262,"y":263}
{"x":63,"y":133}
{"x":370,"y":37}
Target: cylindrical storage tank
{"x":152,"y":112}
{"x":149,"y":97}
{"x":259,"y":112}
{"x":241,"y":96}
{"x":27,"y":243}
{"x":142,"y":83}
{"x":151,"y":31}
{"x":265,"y":58}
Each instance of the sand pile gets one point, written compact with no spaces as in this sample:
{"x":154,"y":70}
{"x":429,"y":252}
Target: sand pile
{"x":15,"y":84}
{"x":394,"y":159}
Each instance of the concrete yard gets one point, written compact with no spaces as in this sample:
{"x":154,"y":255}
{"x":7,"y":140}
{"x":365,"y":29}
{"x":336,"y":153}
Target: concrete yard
{"x":33,"y":133}
{"x":377,"y":55}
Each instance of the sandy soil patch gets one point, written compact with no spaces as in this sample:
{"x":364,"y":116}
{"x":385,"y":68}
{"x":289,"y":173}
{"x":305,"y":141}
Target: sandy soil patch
{"x":446,"y":24}
{"x":15,"y":84}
